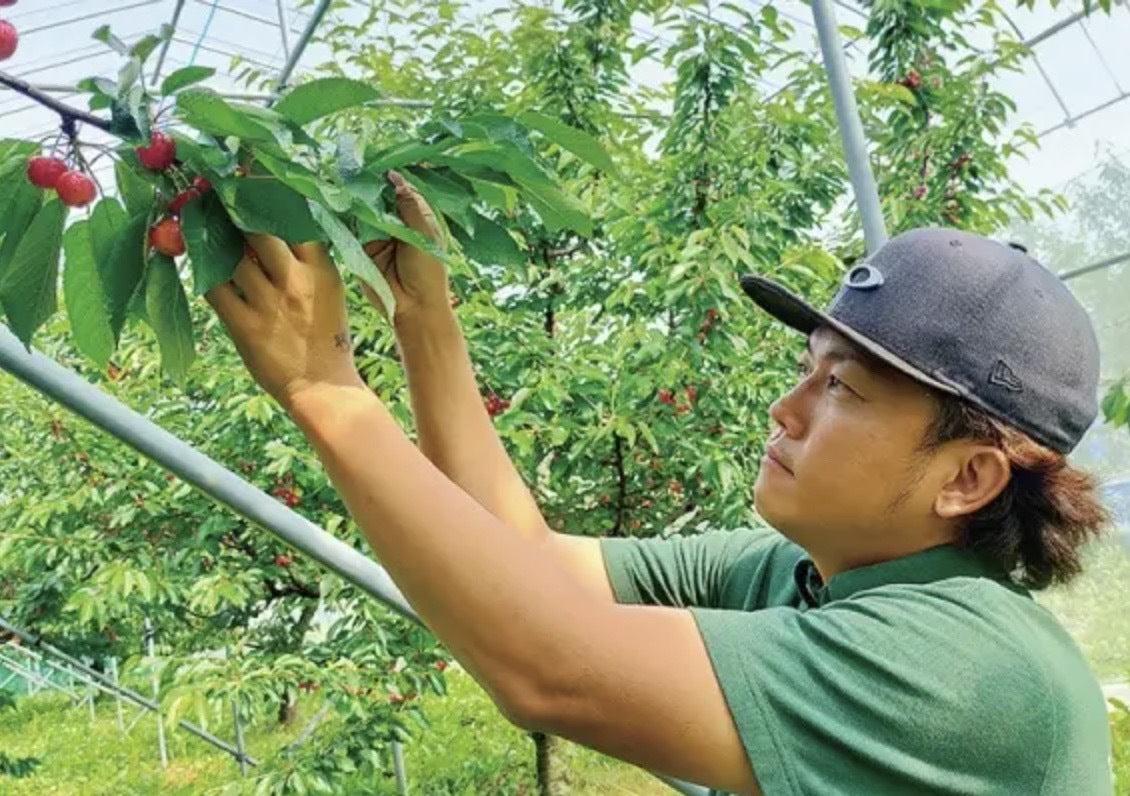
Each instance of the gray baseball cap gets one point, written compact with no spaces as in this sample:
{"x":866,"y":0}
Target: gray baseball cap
{"x":968,"y":316}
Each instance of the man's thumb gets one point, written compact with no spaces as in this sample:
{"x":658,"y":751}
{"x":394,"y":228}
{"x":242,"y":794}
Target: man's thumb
{"x":412,"y":208}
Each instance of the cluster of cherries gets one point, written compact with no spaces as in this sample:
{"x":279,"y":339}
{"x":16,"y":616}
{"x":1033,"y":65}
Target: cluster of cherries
{"x":668,"y":397}
{"x":9,"y":36}
{"x":495,"y":405}
{"x":76,"y":189}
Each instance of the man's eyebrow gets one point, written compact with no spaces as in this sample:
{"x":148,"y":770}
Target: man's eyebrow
{"x":838,"y":353}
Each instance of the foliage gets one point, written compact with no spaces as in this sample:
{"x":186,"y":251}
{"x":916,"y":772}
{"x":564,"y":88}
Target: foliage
{"x":598,"y":228}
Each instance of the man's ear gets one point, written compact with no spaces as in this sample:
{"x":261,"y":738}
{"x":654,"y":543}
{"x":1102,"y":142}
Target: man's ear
{"x":983,"y":474}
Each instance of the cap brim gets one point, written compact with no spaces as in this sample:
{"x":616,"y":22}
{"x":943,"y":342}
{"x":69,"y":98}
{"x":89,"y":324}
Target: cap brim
{"x":794,"y":311}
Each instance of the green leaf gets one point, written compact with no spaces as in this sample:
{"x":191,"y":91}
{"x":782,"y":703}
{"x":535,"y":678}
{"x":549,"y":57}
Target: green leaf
{"x":127,"y":77}
{"x":185,"y":77}
{"x":306,"y":182}
{"x":138,"y":103}
{"x":214,"y":244}
{"x":167,"y":312}
{"x":147,"y":44}
{"x":569,"y":138}
{"x":84,"y":297}
{"x":18,"y":207}
{"x":352,"y":256}
{"x":107,"y":222}
{"x":446,"y":194}
{"x":393,"y":227}
{"x":27,"y":290}
{"x":324,"y":96}
{"x":205,"y":110}
{"x":134,"y":189}
{"x":491,"y":244}
{"x":122,"y":273}
{"x":104,"y":35}
{"x":266,"y":205}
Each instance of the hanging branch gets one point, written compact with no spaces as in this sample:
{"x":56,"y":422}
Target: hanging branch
{"x":70,"y":114}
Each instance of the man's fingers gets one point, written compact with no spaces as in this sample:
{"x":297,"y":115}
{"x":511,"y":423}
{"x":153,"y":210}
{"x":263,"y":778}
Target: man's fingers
{"x":413,"y":210}
{"x":381,"y":252}
{"x":227,"y":304}
{"x":274,"y":255}
{"x":250,"y":278}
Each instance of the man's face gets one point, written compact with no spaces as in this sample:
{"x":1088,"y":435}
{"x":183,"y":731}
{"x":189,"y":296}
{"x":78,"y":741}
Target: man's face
{"x":843,"y":475}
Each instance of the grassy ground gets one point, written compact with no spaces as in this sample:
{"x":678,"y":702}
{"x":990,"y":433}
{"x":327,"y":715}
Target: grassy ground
{"x":470,"y":750}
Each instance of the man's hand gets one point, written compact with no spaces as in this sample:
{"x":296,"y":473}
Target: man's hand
{"x":418,"y":281}
{"x":285,"y":311}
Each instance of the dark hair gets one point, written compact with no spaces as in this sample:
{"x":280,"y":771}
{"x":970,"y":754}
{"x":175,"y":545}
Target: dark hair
{"x":1035,"y":528}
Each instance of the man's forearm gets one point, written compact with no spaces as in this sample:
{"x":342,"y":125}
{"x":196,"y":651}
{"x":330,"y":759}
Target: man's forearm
{"x":455,"y":432}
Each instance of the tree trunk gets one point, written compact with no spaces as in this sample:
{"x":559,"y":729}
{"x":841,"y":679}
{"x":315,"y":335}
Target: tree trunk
{"x":288,"y":705}
{"x":288,"y":710}
{"x":552,"y":779}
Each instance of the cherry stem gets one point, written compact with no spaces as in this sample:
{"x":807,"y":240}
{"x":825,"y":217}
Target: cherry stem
{"x":70,"y":114}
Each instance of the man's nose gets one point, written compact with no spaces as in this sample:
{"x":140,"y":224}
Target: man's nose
{"x":788,"y":412}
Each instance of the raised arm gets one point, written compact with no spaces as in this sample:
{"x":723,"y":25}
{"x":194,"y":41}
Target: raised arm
{"x":455,"y":431}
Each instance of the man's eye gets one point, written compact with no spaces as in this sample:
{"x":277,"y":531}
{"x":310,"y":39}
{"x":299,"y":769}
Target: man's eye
{"x":802,"y":369}
{"x":834,"y":383}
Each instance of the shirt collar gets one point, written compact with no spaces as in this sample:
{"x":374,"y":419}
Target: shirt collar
{"x":925,"y":566}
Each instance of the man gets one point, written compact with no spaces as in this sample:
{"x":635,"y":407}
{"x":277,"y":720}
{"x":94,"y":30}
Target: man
{"x":884,"y":641}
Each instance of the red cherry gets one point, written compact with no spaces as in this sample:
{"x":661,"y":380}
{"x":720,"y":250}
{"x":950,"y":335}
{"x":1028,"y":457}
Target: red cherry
{"x":44,"y":172}
{"x":7,"y":3}
{"x":441,"y":665}
{"x":166,"y":238}
{"x":202,"y":184}
{"x":75,"y":189}
{"x":160,"y":153}
{"x":395,"y":699}
{"x":9,"y":39}
{"x":181,"y":199}
{"x":283,"y":560}
{"x":920,"y":192}
{"x":692,"y":394}
{"x":666,"y":396}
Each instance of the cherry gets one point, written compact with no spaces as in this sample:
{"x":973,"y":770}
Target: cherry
{"x":920,"y":192}
{"x":7,"y":3}
{"x":912,"y":80}
{"x":160,"y":153}
{"x":692,"y":394}
{"x":167,"y":239}
{"x":181,"y":199}
{"x":666,"y":397}
{"x":9,"y":39}
{"x":44,"y":172}
{"x":75,"y":189}
{"x":495,"y":405}
{"x":441,"y":665}
{"x":201,"y":184}
{"x":283,"y":560}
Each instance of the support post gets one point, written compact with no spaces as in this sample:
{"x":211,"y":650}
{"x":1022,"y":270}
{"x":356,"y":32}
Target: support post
{"x":165,"y":46}
{"x":117,"y":697}
{"x":851,"y":128}
{"x":398,"y":766}
{"x":156,"y":696}
{"x":300,"y":45}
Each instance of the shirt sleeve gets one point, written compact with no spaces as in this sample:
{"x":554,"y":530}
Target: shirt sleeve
{"x":865,"y":697}
{"x":682,"y":571}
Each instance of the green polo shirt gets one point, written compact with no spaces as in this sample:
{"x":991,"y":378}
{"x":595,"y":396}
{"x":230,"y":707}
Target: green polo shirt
{"x":928,"y":674}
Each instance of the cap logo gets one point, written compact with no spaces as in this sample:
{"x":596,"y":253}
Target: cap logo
{"x":864,"y":277}
{"x":1002,"y":376}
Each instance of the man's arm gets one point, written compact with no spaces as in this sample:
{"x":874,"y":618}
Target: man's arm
{"x":634,"y":682}
{"x":457,"y":436}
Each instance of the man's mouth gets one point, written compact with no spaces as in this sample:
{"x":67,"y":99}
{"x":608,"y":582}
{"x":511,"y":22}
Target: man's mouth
{"x":775,"y":458}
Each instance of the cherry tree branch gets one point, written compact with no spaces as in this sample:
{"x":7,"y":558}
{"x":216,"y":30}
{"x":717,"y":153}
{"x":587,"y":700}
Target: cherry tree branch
{"x":69,"y":114}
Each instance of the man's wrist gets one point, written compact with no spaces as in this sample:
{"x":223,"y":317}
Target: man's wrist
{"x":424,"y":320}
{"x":313,"y":403}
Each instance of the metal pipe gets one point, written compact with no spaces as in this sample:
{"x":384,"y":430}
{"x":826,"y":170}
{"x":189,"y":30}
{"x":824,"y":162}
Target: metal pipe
{"x":169,"y":40}
{"x":851,"y":128}
{"x":1086,"y":269}
{"x":303,"y":41}
{"x":207,"y":475}
{"x":162,"y":749}
{"x":284,"y":39}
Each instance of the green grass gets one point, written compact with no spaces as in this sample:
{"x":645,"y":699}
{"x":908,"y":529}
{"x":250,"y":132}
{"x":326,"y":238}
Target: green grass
{"x":470,"y":749}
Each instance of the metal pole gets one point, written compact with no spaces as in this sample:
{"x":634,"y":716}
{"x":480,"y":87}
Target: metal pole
{"x":238,"y":722}
{"x":284,"y":37}
{"x":168,"y":41}
{"x":303,"y":40}
{"x":90,"y":696}
{"x":851,"y":129}
{"x":398,"y":765}
{"x":1086,"y":269}
{"x":207,"y":475}
{"x":156,"y":696}
{"x":117,"y":696}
